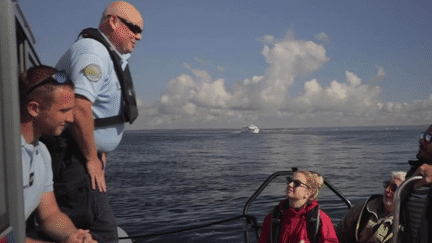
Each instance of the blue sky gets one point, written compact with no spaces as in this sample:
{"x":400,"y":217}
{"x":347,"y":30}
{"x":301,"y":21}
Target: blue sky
{"x":279,"y":64}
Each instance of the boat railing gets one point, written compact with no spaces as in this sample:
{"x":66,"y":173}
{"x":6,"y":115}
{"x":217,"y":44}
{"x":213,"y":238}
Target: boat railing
{"x":16,"y":55}
{"x":251,"y":222}
{"x":401,"y":193}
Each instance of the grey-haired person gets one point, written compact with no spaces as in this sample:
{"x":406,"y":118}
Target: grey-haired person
{"x":371,"y":220}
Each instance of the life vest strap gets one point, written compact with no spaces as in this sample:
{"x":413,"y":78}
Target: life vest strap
{"x":130,"y":112}
{"x":101,"y":122}
{"x":313,"y":224}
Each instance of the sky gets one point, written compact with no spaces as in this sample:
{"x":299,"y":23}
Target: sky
{"x":276,"y":64}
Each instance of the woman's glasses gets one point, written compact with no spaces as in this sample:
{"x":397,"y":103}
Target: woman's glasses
{"x":296,"y":182}
{"x":392,"y":186}
{"x":59,"y":78}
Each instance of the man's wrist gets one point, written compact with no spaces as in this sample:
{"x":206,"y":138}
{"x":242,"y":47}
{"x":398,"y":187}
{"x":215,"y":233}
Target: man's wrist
{"x":68,"y":235}
{"x":92,"y":159}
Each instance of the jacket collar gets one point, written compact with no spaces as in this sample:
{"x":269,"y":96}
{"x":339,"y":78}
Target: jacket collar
{"x":284,"y":206}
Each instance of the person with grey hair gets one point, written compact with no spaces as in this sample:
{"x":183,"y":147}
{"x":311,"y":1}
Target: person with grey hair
{"x":97,"y":64}
{"x":371,"y":220}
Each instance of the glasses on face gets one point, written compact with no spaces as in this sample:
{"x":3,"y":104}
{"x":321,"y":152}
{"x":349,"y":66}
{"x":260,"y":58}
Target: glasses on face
{"x":59,"y":78}
{"x":296,"y":183}
{"x":392,"y":186}
{"x":425,"y":137}
{"x":133,"y":27}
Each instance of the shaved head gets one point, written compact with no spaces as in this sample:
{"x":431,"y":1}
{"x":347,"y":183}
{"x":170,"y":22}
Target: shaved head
{"x":122,"y":24}
{"x":125,"y":10}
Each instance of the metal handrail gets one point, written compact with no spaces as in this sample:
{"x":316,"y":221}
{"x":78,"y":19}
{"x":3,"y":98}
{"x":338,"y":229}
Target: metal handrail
{"x":255,"y":195}
{"x":270,"y":179}
{"x":263,"y":186}
{"x":408,"y":184}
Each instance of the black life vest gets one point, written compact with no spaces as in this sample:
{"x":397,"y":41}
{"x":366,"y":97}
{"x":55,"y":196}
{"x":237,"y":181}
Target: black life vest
{"x":313,"y":223}
{"x":129,"y":105}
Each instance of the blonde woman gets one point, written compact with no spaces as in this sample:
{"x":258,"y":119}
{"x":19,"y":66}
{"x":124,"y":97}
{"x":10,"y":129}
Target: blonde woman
{"x":289,"y":220}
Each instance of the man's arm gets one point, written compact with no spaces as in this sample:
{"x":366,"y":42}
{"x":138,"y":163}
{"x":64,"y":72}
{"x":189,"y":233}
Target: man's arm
{"x":346,"y":228}
{"x":424,"y":170}
{"x":82,"y":237}
{"x":58,"y":225}
{"x":83,"y":132}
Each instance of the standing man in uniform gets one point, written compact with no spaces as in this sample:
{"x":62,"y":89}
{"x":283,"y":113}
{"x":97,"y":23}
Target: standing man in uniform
{"x":46,"y":102}
{"x":105,"y":100}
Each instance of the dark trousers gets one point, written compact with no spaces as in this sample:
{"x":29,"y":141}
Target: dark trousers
{"x":87,"y":208}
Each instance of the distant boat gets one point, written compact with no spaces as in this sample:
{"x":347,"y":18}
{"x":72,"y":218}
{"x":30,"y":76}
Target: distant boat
{"x":251,"y":129}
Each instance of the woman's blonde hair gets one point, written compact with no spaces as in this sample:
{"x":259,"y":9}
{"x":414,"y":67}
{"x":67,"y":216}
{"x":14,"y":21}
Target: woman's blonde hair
{"x":314,"y":181}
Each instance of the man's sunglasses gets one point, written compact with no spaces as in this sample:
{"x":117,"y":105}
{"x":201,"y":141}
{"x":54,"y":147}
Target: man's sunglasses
{"x":426,"y":137}
{"x":59,"y":78}
{"x":133,"y":27}
{"x":392,"y":186}
{"x":296,"y":182}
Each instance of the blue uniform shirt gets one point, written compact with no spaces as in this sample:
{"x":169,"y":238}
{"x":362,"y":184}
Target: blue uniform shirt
{"x":102,"y":88}
{"x":37,"y":174}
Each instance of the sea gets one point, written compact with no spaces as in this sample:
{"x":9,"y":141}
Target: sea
{"x":164,"y":181}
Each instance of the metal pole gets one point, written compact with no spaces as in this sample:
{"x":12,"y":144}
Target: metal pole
{"x":407,"y":185}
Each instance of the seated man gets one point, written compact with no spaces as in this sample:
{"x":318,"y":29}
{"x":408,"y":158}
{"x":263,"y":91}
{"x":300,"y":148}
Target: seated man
{"x":371,"y":221}
{"x":416,"y":210}
{"x":46,"y":102}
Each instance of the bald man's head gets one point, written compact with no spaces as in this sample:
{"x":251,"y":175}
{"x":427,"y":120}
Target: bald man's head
{"x":122,"y":23}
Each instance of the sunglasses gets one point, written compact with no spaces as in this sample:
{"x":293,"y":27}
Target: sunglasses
{"x":426,"y":137}
{"x":392,"y":186}
{"x":59,"y":78}
{"x":133,"y":27}
{"x":296,"y":183}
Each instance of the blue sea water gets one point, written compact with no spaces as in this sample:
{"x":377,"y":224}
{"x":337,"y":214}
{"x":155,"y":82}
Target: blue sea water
{"x":166,"y":180}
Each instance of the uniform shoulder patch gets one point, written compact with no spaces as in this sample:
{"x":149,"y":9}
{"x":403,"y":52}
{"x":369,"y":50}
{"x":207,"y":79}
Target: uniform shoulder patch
{"x":93,"y":72}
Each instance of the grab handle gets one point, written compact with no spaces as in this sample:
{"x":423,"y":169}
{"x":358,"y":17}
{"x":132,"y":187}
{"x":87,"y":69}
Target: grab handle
{"x":408,"y":184}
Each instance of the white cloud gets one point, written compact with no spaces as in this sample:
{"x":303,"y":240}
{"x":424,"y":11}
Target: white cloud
{"x":322,"y":37}
{"x":203,"y":62}
{"x":348,"y":97}
{"x":267,"y":40}
{"x":381,"y":72}
{"x":199,"y":100}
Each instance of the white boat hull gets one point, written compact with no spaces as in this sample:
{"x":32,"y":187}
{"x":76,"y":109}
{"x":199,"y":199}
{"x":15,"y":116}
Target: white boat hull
{"x":251,"y":129}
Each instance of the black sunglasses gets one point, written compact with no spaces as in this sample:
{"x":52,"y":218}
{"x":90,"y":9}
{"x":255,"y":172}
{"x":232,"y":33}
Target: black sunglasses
{"x":296,"y":182}
{"x":427,"y":137}
{"x":59,"y":78}
{"x":392,"y":186}
{"x":133,"y":27}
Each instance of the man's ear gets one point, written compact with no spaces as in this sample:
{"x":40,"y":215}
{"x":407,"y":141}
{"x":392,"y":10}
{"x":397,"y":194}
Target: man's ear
{"x":33,"y":108}
{"x":112,"y":22}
